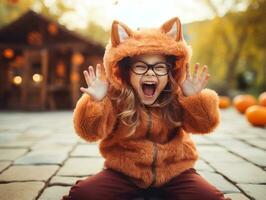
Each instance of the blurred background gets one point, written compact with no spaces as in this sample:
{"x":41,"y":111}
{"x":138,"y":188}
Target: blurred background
{"x":46,"y":44}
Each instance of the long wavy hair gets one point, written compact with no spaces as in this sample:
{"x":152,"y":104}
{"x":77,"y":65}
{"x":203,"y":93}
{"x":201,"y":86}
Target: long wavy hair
{"x":130,"y":107}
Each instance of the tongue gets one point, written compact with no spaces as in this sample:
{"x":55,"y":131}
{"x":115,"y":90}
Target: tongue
{"x":148,"y":89}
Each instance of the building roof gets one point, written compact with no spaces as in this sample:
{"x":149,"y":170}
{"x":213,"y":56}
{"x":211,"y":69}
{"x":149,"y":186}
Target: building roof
{"x":18,"y":33}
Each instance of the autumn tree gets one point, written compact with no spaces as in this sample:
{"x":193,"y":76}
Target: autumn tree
{"x":231,"y":44}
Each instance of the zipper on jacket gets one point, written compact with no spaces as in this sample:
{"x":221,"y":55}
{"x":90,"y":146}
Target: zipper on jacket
{"x":154,"y":151}
{"x":153,"y":164}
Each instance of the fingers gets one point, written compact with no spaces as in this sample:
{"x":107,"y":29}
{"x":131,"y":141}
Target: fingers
{"x":203,"y":77}
{"x":196,"y":71}
{"x":89,"y":75}
{"x":187,"y":72}
{"x":198,"y":78}
{"x":203,"y":73}
{"x":91,"y":72}
{"x":205,"y":81}
{"x":82,"y":89}
{"x":86,"y":90}
{"x":98,"y":71}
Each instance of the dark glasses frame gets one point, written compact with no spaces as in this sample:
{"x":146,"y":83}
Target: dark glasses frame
{"x":152,"y":66}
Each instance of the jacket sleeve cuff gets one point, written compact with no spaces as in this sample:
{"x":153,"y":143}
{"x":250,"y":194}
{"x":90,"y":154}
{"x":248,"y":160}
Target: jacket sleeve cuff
{"x":93,"y":120}
{"x":201,"y":111}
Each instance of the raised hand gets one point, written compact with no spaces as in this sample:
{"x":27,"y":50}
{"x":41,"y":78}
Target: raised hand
{"x":97,"y":88}
{"x":193,"y":85}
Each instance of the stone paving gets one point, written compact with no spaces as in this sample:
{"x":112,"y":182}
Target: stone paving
{"x":41,"y":156}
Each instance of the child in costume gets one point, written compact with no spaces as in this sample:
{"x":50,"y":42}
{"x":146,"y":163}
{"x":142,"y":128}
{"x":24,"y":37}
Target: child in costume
{"x":142,"y":107}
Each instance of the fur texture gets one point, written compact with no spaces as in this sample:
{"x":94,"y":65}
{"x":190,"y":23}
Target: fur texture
{"x":134,"y":156}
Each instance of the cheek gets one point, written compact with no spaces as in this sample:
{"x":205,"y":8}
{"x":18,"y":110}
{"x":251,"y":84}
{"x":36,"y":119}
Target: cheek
{"x":163,"y":82}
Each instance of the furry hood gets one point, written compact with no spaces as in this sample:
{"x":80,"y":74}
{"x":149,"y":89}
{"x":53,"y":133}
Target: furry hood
{"x":167,"y":40}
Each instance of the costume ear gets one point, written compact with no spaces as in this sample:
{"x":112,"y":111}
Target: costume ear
{"x":173,"y":29}
{"x":120,"y":32}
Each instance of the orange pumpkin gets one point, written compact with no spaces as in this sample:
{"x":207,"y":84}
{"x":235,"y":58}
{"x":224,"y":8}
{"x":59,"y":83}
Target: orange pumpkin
{"x":256,"y":115}
{"x":262,"y":99}
{"x":242,"y":102}
{"x":224,"y":102}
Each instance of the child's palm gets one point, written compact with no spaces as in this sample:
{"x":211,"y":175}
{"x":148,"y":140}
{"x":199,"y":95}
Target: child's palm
{"x":97,"y":88}
{"x":195,"y":84}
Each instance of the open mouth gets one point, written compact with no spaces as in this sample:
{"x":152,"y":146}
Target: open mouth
{"x":149,"y":89}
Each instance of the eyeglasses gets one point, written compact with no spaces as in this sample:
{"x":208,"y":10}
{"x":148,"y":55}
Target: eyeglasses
{"x":159,"y":69}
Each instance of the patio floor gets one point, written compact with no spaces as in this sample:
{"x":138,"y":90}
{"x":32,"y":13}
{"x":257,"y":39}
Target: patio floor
{"x":41,"y":156}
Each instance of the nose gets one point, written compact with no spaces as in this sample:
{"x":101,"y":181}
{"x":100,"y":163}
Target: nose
{"x":150,"y":72}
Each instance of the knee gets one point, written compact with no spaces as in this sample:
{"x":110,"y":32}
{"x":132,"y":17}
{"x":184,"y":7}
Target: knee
{"x":212,"y":195}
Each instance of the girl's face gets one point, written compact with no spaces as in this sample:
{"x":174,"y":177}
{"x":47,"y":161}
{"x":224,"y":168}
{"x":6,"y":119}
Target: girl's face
{"x":148,"y":84}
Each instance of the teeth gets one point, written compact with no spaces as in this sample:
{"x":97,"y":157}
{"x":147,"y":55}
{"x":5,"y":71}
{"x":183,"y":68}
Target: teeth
{"x":149,"y":83}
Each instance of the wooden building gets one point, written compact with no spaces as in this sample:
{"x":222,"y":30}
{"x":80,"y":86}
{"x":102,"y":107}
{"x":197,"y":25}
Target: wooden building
{"x":41,"y":64}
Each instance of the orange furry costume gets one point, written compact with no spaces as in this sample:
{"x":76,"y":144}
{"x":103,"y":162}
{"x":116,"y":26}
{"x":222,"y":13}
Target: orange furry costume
{"x":155,"y":153}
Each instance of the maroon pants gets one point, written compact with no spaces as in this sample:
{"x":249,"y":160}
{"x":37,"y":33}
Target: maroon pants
{"x":112,"y":185}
